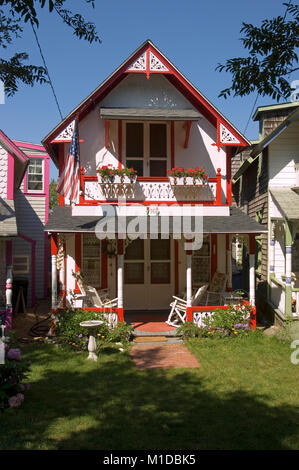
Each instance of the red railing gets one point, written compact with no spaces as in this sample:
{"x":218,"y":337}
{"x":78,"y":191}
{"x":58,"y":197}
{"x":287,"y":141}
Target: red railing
{"x":216,"y":179}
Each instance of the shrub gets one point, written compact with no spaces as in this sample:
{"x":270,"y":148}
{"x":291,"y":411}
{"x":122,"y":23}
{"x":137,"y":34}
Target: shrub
{"x":233,"y":321}
{"x":13,"y":375}
{"x":69,"y":331}
{"x":188,"y":330}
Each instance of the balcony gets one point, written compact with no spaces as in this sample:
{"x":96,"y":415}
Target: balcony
{"x":150,"y":189}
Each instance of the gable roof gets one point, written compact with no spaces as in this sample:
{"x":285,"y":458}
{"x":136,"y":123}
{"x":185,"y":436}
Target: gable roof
{"x":287,"y":201}
{"x":257,"y":149}
{"x":148,"y":59}
{"x":12,"y":148}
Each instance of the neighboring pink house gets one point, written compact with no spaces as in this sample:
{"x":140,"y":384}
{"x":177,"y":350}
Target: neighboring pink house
{"x":24,"y":210}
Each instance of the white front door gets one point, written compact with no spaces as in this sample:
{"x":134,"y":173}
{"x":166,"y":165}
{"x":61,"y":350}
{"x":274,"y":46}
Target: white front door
{"x":148,"y":274}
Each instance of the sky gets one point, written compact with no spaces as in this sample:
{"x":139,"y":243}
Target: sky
{"x":195,"y":35}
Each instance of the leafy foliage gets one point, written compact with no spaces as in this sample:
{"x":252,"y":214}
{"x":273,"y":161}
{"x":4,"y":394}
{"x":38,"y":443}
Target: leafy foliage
{"x":272,"y":57}
{"x":14,"y":14}
{"x":53,"y":199}
{"x":13,"y":373}
{"x":188,"y":330}
{"x":69,"y":331}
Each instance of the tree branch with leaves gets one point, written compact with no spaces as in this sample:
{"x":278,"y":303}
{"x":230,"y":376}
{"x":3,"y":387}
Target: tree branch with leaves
{"x":14,"y":14}
{"x":273,"y":56}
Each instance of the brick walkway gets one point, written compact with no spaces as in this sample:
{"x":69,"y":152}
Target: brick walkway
{"x":171,"y":356}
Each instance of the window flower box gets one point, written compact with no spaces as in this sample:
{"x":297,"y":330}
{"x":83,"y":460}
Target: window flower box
{"x":107,"y":174}
{"x":179,"y":176}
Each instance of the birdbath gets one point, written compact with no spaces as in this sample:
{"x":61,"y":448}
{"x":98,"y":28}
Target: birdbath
{"x":92,"y":345}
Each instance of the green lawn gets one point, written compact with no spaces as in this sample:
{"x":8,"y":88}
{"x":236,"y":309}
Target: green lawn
{"x":243,"y":396}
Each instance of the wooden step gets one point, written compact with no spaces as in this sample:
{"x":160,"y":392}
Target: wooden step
{"x":150,"y":339}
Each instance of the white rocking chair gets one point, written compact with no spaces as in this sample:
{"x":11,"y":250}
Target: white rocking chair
{"x":178,"y":310}
{"x":100,"y":299}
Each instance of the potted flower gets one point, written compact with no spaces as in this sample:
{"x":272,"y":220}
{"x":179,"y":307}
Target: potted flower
{"x":110,"y":174}
{"x":181,"y":176}
{"x":176,"y":175}
{"x":106,"y":173}
{"x":129,"y":175}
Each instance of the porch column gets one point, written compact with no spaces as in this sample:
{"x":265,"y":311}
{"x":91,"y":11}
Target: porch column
{"x":271,"y":256}
{"x":8,"y":286}
{"x":252,"y":269}
{"x":54,"y":280}
{"x":120,"y":279}
{"x":229,"y":262}
{"x":288,"y":268}
{"x":189,"y":313}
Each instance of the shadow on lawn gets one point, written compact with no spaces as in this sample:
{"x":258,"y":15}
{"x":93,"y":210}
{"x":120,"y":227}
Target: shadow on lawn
{"x":111,"y":405}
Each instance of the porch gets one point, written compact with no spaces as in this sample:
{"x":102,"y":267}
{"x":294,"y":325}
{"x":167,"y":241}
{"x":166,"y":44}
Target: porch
{"x":145,"y":273}
{"x":283,"y":283}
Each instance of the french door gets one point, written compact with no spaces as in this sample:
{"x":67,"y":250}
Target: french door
{"x":148,"y":276}
{"x":147,"y":147}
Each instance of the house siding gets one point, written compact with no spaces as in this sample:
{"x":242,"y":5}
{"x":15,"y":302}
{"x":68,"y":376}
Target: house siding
{"x":31,"y":213}
{"x":254,"y":195}
{"x":3,"y":172}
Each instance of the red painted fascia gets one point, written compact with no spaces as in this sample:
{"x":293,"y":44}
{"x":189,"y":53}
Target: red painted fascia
{"x":174,"y":76}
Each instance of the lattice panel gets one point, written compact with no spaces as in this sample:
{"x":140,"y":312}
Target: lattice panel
{"x":227,"y":137}
{"x":67,"y":133}
{"x":139,"y":64}
{"x":142,"y":191}
{"x":199,"y":317}
{"x":156,"y":64}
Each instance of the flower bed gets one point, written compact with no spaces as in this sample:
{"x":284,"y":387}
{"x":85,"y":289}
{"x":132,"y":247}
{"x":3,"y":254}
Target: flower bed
{"x":110,"y":174}
{"x":69,"y":331}
{"x":13,"y":374}
{"x":179,"y":176}
{"x":233,"y":321}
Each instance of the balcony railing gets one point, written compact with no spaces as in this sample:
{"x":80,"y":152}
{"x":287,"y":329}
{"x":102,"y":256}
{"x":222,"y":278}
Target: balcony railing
{"x":150,"y":189}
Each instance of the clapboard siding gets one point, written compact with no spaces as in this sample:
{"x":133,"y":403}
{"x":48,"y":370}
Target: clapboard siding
{"x":284,"y":153}
{"x":254,"y":194}
{"x":3,"y":172}
{"x":31,"y":213}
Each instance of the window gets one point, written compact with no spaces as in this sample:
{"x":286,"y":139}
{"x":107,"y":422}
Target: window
{"x":146,"y":148}
{"x":92,"y":260}
{"x":35,"y":175}
{"x":134,"y":262}
{"x":21,"y":264}
{"x":201,"y":263}
{"x":158,"y":150}
{"x":134,"y":146}
{"x":160,"y":261}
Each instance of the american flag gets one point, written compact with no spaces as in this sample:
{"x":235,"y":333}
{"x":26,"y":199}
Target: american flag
{"x":69,"y":178}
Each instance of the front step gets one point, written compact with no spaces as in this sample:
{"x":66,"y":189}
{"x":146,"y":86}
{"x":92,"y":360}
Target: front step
{"x":156,"y":340}
{"x":167,"y":333}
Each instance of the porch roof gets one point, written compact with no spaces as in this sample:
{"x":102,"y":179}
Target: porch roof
{"x":8,"y":223}
{"x":159,"y":114}
{"x":287,"y":201}
{"x":236,"y":223}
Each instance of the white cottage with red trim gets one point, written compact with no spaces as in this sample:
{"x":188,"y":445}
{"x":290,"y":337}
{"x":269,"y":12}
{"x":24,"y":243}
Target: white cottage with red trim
{"x":148,"y":117}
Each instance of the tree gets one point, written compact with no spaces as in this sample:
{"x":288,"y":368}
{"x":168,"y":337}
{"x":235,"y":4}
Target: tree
{"x":13,"y":16}
{"x":53,"y":195}
{"x":272,"y":57}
